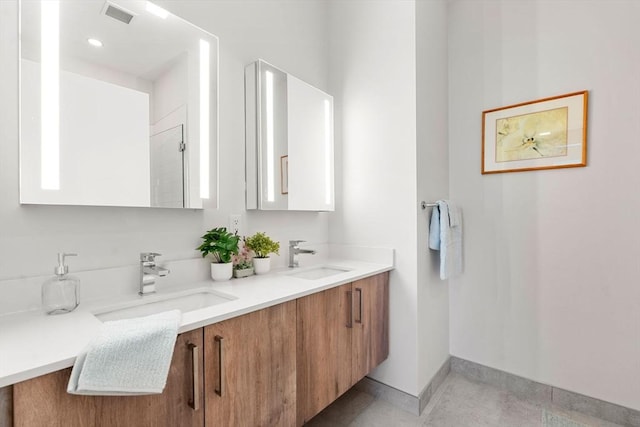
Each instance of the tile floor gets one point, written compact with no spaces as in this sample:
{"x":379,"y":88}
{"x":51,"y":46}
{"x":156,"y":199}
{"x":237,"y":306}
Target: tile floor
{"x":458,"y":402}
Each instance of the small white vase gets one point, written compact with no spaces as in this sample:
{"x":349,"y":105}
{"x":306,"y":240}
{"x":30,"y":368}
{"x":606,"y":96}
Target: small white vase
{"x":221,"y":271}
{"x":245,"y":272}
{"x":261,"y":265}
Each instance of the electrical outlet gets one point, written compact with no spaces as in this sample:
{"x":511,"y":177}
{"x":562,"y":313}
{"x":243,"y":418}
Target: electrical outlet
{"x":235,"y":224}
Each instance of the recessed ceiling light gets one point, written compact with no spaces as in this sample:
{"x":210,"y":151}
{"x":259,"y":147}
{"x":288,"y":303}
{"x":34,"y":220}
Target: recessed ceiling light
{"x":157,"y":10}
{"x":94,"y":42}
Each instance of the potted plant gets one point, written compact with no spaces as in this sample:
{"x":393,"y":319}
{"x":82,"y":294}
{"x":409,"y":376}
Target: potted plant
{"x":242,"y":263}
{"x":220,"y":245}
{"x":262,"y":246}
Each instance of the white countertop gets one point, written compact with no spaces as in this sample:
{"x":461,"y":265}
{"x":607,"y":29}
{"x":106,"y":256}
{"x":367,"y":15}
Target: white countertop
{"x":34,"y":344}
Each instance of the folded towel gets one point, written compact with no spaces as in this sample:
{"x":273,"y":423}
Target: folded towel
{"x":445,"y":235}
{"x":434,"y":229}
{"x":128,"y":357}
{"x":455,"y":215}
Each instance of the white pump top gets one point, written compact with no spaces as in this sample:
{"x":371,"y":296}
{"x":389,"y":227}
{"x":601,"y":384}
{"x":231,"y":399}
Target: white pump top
{"x":62,"y":269}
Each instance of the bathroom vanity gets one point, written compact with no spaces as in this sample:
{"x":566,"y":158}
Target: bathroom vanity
{"x":272,"y":350}
{"x":278,"y":354}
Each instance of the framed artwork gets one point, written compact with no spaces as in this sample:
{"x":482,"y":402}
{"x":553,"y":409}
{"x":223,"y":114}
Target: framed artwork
{"x":545,"y":134}
{"x":284,"y":174}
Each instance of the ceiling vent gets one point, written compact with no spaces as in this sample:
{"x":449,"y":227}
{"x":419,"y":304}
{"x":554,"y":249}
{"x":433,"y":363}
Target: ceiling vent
{"x":117,"y":13}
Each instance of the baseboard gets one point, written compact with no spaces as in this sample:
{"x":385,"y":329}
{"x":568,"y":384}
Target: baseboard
{"x":428,"y":392}
{"x":405,"y":401}
{"x":544,"y":394}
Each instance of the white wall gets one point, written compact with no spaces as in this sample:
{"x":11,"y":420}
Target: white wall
{"x":550,"y":290}
{"x":373,"y":80}
{"x":291,"y":34}
{"x":432,"y":170}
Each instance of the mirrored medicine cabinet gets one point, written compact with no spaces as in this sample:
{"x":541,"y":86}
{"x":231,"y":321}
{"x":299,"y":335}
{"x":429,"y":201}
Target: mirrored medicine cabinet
{"x":289,"y":142}
{"x":118,"y":106}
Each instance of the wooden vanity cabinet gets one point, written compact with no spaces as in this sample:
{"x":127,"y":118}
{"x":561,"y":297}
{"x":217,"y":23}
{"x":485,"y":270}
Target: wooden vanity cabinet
{"x":370,"y":333}
{"x":250,"y":369}
{"x":278,"y":366}
{"x":44,"y":401}
{"x":343,"y":333}
{"x":324,"y":350}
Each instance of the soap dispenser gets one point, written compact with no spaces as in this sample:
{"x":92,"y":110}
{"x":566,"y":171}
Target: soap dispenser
{"x":61,"y":293}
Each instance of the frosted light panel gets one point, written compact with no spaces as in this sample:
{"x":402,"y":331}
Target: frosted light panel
{"x":50,"y":95}
{"x":204,"y":118}
{"x":328,"y":152}
{"x":270,"y":137}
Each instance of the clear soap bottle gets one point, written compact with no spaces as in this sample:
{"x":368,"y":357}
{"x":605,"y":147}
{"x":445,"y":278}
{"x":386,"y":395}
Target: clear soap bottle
{"x":61,"y":293}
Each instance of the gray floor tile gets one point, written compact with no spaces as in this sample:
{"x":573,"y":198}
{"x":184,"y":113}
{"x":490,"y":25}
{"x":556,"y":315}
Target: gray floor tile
{"x":516,"y":412}
{"x":458,"y":402}
{"x":344,"y":410}
{"x":466,"y":403}
{"x":384,"y":414}
{"x":594,"y":407}
{"x":583,"y":419}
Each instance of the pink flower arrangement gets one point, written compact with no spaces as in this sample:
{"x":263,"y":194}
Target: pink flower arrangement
{"x":243,"y":259}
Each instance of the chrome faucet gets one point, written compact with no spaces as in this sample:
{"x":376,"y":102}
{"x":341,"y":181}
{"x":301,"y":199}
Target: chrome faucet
{"x":149,"y":271}
{"x":295,"y":250}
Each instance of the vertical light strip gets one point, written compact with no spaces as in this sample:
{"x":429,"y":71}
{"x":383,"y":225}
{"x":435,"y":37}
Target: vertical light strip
{"x":205,"y":94}
{"x":50,"y":95}
{"x":327,"y":151}
{"x":270,"y":138}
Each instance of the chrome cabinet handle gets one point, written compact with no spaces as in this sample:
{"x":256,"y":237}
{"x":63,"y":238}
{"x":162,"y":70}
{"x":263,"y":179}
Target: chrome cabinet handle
{"x":350,"y":318}
{"x":194,"y":403}
{"x":220,"y":389}
{"x":359,"y":291}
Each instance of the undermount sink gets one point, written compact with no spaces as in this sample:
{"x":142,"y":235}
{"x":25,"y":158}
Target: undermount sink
{"x":184,"y":301}
{"x":318,"y":272}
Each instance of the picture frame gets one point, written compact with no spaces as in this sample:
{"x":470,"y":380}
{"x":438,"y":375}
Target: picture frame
{"x":547,"y":133}
{"x":284,"y":174}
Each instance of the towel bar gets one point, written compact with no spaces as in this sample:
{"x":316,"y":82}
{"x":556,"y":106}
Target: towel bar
{"x":425,"y":205}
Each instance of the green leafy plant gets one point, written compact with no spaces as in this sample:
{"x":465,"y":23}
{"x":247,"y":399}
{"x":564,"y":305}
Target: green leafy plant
{"x":262,"y":245}
{"x":220,"y":244}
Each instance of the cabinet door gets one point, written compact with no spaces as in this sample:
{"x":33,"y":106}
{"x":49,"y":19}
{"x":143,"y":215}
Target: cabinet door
{"x":370,"y":341}
{"x":45,"y":401}
{"x":6,"y":406}
{"x":379,"y":319}
{"x":175,"y":406}
{"x":250,"y":369}
{"x":324,"y":350}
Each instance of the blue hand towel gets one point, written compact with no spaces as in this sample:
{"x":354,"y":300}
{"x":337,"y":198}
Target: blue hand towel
{"x":128,"y":357}
{"x":445,"y":235}
{"x":434,"y":229}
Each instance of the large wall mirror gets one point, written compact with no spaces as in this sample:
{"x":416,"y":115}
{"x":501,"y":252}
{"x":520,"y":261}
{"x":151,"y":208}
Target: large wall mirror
{"x":118,"y":105}
{"x":289,"y":138}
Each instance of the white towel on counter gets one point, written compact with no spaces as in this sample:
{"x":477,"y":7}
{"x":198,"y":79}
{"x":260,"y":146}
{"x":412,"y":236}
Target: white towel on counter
{"x":128,"y":357}
{"x":445,"y":235}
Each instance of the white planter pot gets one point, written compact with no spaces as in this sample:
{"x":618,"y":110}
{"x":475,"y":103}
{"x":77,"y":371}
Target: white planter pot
{"x":245,"y":272}
{"x":221,"y":272}
{"x":262,"y":265}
